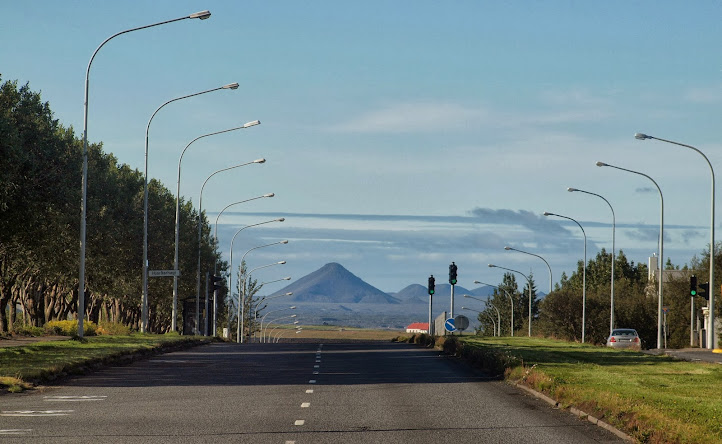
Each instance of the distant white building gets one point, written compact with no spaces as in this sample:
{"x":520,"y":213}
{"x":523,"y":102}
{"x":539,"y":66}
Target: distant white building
{"x":418,"y":327}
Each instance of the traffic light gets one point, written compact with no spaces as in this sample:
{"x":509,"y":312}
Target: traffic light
{"x":452,"y":274}
{"x":216,"y":283}
{"x":432,"y":284}
{"x":704,"y":290}
{"x":693,"y":285}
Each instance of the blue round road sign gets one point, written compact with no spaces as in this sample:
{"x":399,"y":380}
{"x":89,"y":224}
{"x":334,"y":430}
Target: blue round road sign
{"x":449,"y":325}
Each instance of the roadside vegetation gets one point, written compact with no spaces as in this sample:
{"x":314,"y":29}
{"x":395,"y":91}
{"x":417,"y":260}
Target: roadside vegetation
{"x":655,"y":399}
{"x":23,"y":367}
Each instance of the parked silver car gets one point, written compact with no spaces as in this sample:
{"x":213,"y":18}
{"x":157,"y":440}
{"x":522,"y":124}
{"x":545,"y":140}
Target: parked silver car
{"x":624,"y":338}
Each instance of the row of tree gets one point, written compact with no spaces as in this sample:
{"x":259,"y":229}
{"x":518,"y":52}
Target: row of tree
{"x":40,"y":192}
{"x":559,"y":314}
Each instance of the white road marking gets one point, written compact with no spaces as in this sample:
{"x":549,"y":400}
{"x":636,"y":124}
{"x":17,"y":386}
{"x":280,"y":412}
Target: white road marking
{"x":309,"y":391}
{"x":36,"y":412}
{"x":315,"y":373}
{"x":169,"y":361}
{"x":312,"y":381}
{"x":290,"y":442}
{"x":299,"y":422}
{"x":305,"y":405}
{"x":15,"y":431}
{"x":75,"y":398}
{"x":316,"y":366}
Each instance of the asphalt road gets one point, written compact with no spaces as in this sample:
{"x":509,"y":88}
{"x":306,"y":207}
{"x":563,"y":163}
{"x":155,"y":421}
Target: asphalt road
{"x":290,"y":393}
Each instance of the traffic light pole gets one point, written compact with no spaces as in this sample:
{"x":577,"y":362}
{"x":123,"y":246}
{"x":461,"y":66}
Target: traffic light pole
{"x":452,"y":301}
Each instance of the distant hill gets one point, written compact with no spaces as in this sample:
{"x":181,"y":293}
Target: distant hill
{"x":333,"y":283}
{"x":413,"y":294}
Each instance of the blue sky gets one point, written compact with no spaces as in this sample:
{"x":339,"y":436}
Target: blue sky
{"x":402,"y":135}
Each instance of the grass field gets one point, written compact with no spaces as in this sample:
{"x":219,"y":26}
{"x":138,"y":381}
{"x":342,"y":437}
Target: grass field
{"x":334,"y":332}
{"x":653,"y":398}
{"x":44,"y":361}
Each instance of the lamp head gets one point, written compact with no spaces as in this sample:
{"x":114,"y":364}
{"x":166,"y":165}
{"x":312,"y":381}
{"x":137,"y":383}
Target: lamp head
{"x":289,"y":293}
{"x":293,"y":316}
{"x":546,"y":213}
{"x":280,"y":219}
{"x":601,"y":164}
{"x":251,"y":123}
{"x":269,"y":195}
{"x":233,"y":85}
{"x":492,"y":265}
{"x":200,"y":15}
{"x":292,"y":307}
{"x":507,"y":248}
{"x":467,"y":296}
{"x":464,"y":308}
{"x":281,"y":262}
{"x":261,"y":160}
{"x":641,"y":136}
{"x":477,"y":282}
{"x":284,"y":241}
{"x":571,"y":190}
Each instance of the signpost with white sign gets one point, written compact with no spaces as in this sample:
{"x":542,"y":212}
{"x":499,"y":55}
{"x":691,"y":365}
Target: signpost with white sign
{"x":449,"y":325}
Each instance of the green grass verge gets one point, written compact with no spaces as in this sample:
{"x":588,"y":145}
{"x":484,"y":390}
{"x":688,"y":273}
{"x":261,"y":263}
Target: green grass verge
{"x":22,"y":367}
{"x":655,"y":399}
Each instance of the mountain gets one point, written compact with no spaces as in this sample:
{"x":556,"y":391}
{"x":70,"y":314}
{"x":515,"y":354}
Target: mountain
{"x":413,"y":294}
{"x":333,"y":283}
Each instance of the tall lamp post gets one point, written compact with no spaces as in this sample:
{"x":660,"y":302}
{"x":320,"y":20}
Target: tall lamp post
{"x":491,"y":318}
{"x":200,"y":225}
{"x":177,"y":216}
{"x":528,"y":281}
{"x":508,"y":248}
{"x":584,"y":272}
{"x":710,"y":327}
{"x":292,"y":307}
{"x":246,"y":284}
{"x":510,"y":300}
{"x":84,"y":185}
{"x":144,"y":308}
{"x":660,"y":297}
{"x":230,"y":253}
{"x":614,"y":229}
{"x":498,"y":314}
{"x":241,"y":297}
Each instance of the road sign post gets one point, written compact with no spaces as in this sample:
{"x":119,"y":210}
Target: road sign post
{"x":449,"y":325}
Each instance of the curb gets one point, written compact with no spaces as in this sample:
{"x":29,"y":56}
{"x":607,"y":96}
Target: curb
{"x":578,"y":413}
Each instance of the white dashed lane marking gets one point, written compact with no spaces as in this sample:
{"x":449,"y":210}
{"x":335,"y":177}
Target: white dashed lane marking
{"x":309,"y":391}
{"x":299,"y":422}
{"x":312,"y":381}
{"x":15,"y":431}
{"x":305,"y":405}
{"x":36,"y":412}
{"x":74,"y":398}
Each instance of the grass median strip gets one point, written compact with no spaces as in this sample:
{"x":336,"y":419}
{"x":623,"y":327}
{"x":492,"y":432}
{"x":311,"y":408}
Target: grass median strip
{"x":653,"y":398}
{"x":22,"y":367}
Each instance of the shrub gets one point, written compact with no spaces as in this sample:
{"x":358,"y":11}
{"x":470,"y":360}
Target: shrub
{"x":113,"y":328}
{"x":70,"y":328}
{"x":28,"y":330}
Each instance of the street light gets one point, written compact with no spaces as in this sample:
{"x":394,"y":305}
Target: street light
{"x":230,"y":270}
{"x":275,"y":321}
{"x":292,"y":307}
{"x":241,"y":297}
{"x":710,"y":327}
{"x":660,"y":297}
{"x":246,"y":284}
{"x":510,"y":300}
{"x":177,"y":218}
{"x":483,"y":312}
{"x":144,"y":305}
{"x":200,"y":219}
{"x":84,"y":185}
{"x":528,"y":281}
{"x":614,"y":228}
{"x":584,"y":272}
{"x":498,"y":314}
{"x":264,"y":298}
{"x":508,"y":248}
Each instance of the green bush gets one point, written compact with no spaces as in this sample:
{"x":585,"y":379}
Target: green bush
{"x":70,"y":328}
{"x":28,"y":330}
{"x":112,"y":328}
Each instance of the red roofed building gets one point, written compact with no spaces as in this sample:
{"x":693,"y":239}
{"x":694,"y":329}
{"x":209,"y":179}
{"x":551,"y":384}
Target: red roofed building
{"x":418,"y":327}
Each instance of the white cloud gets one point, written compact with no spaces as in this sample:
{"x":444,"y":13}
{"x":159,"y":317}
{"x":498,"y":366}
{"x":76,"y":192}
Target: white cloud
{"x":712,"y":94}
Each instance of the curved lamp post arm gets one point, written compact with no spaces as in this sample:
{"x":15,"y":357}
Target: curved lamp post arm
{"x":508,"y":248}
{"x":511,"y":300}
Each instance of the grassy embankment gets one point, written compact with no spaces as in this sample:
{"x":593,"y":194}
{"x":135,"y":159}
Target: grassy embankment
{"x":334,"y":332}
{"x":653,"y":398}
{"x":21,"y":367}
